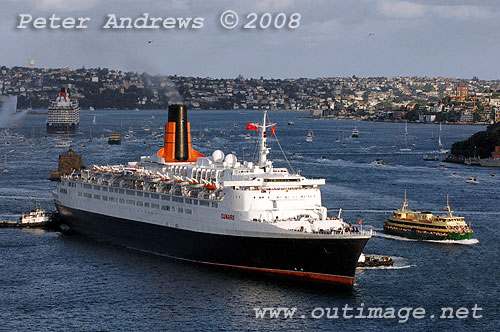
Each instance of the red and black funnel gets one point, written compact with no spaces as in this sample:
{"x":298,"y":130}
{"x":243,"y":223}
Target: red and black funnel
{"x":177,"y":142}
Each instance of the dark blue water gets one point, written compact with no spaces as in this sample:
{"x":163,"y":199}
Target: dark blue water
{"x":55,"y":282}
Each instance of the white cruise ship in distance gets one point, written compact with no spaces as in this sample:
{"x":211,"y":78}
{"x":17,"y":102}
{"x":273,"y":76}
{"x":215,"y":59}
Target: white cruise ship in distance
{"x":214,"y":210}
{"x":63,"y":115}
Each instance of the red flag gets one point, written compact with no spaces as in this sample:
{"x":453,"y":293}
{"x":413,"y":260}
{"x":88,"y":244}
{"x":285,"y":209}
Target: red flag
{"x":360,"y":222}
{"x":252,"y":126}
{"x":273,"y":129}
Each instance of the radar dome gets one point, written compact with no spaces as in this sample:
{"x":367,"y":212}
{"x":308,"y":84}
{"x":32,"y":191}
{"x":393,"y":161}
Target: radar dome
{"x":231,"y":160}
{"x":218,"y":156}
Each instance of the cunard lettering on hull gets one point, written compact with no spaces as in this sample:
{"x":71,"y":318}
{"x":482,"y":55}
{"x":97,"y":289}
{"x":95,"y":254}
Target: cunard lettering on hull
{"x":214,"y":210}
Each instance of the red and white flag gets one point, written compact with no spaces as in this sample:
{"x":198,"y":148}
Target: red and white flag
{"x":252,"y":126}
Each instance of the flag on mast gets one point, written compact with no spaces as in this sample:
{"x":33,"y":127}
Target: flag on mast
{"x":252,"y":126}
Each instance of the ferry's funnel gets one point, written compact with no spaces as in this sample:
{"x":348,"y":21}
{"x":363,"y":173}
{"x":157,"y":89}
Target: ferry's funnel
{"x":177,"y":143}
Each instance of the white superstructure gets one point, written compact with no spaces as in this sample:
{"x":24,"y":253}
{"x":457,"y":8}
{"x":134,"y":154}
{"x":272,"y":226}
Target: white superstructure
{"x":63,"y":111}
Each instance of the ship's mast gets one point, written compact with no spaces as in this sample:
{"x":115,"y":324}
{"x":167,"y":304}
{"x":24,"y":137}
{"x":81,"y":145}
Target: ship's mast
{"x":263,"y":149}
{"x":440,"y":130}
{"x":448,"y":205}
{"x":405,"y":204}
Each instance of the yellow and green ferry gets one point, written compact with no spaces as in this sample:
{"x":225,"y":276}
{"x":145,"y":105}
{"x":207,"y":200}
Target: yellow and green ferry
{"x":427,"y":226}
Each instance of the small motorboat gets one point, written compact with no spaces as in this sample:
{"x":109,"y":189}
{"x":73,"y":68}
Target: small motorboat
{"x":472,"y":180}
{"x":431,"y":158}
{"x":63,"y":143}
{"x":373,"y":261}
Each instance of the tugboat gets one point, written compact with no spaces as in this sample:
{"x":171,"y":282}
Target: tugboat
{"x":36,"y":218}
{"x":427,"y":226}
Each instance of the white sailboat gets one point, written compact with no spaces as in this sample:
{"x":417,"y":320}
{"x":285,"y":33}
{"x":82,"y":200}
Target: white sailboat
{"x":440,"y":143}
{"x":406,"y":148}
{"x":309,"y":137}
{"x":94,"y":120}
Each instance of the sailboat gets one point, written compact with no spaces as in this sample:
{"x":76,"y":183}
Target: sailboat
{"x":94,"y":120}
{"x":406,"y":148}
{"x":309,"y":137}
{"x":440,"y":143}
{"x":5,"y":170}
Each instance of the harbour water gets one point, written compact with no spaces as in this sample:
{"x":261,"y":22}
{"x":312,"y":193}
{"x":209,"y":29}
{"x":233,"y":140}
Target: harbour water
{"x":51,"y":281}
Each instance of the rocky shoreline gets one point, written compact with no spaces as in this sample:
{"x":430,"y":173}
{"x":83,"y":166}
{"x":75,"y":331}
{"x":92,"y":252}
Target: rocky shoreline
{"x":480,"y":145}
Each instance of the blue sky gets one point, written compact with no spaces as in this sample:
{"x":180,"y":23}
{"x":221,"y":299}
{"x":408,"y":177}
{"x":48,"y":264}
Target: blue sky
{"x":450,"y":38}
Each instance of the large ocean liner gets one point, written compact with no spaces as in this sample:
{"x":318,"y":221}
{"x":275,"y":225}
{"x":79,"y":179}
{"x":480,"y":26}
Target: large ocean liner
{"x":214,"y":210}
{"x":63,"y":115}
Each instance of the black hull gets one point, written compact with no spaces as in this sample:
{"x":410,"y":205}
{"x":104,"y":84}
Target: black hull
{"x":327,"y":260}
{"x":61,"y":129}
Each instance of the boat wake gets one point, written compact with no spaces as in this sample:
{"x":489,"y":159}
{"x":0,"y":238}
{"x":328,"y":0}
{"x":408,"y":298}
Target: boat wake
{"x":387,"y":267}
{"x":373,"y":228}
{"x":467,"y":242}
{"x":372,"y":164}
{"x":394,"y":237}
{"x":400,"y":263}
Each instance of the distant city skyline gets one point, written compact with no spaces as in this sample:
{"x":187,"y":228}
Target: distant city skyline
{"x":367,"y":38}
